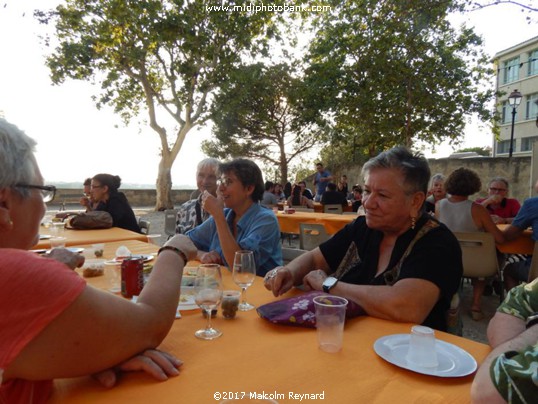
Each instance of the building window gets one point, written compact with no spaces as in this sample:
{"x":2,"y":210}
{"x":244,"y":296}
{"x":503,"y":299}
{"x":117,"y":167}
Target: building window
{"x":526,"y":143}
{"x":504,"y":147}
{"x":531,"y":110}
{"x":533,"y":62}
{"x":511,"y":70}
{"x":507,"y":113}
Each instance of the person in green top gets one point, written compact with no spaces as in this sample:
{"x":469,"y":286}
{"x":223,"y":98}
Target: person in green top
{"x":510,"y":372}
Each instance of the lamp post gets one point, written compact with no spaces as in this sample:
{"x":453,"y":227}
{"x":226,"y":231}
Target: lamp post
{"x":514,"y":99}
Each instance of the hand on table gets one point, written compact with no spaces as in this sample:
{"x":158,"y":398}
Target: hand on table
{"x":72,"y":260}
{"x":314,"y":280}
{"x":156,"y":363}
{"x":278,"y":280}
{"x":211,"y":257}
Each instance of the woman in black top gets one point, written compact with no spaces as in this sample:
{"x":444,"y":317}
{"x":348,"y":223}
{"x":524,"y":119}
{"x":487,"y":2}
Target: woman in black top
{"x":104,"y":189}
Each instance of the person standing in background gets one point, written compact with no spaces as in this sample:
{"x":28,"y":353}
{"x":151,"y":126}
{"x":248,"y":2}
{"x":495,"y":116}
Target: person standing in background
{"x":321,"y":179}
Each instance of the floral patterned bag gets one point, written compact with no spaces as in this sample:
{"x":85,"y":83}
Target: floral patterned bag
{"x":300,"y":311}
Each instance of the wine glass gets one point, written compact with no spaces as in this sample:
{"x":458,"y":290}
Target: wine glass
{"x":244,"y":272}
{"x":208,"y":294}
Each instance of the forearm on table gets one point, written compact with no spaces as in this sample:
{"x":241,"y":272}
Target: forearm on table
{"x":306,"y":263}
{"x":161,"y":293}
{"x":504,"y":327}
{"x":483,"y":390}
{"x":409,"y":300}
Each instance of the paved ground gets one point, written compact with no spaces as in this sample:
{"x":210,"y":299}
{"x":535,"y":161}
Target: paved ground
{"x":475,"y":330}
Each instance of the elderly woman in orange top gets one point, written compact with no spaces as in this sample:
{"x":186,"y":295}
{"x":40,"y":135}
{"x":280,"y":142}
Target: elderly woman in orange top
{"x":53,"y":324}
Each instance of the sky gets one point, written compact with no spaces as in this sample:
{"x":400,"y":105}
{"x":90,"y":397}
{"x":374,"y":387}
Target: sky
{"x":76,"y":141}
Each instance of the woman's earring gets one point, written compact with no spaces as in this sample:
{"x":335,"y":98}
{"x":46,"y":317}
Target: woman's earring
{"x":413,"y":222}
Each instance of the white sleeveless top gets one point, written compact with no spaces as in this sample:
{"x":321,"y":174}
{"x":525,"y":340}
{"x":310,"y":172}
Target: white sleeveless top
{"x":457,"y":215}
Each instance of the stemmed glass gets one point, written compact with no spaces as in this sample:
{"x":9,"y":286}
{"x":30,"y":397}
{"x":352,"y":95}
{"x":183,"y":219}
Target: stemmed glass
{"x":244,"y":272}
{"x":208,"y":294}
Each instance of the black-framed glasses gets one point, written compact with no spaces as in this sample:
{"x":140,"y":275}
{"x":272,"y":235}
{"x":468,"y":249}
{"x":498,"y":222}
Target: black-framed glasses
{"x":497,"y":189}
{"x":48,"y":192}
{"x":224,"y":181}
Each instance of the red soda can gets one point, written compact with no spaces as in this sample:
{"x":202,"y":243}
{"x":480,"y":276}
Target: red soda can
{"x":132,"y":276}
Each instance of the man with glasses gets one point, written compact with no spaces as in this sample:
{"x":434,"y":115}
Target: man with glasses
{"x":191,"y":213}
{"x":501,"y":208}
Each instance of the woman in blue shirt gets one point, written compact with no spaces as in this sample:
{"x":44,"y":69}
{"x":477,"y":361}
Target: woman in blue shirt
{"x":238,"y":221}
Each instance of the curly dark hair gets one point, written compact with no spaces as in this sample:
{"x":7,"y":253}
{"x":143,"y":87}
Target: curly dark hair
{"x":463,"y":182}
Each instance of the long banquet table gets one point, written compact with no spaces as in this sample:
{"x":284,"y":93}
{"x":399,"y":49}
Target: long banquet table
{"x":256,"y":356}
{"x":289,"y":222}
{"x":80,"y":237}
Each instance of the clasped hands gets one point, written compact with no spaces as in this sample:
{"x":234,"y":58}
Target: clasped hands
{"x":280,"y":280}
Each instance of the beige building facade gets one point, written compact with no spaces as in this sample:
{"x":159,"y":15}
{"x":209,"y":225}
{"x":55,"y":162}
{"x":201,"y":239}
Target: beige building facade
{"x":517,"y":69}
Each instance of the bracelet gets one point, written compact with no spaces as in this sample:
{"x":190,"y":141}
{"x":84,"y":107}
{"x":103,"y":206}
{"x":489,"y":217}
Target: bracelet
{"x":174,"y":249}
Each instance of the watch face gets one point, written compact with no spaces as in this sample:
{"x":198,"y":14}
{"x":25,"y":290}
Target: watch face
{"x":329,"y":283}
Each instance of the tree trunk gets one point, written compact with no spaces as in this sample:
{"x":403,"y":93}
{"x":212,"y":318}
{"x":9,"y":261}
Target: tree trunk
{"x":164,"y":184}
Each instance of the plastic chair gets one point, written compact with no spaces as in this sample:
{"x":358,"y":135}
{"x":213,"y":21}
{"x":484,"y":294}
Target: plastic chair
{"x":289,"y":254}
{"x":479,"y":255}
{"x":332,"y":208}
{"x":311,"y":235}
{"x":170,"y":219}
{"x":144,"y":225}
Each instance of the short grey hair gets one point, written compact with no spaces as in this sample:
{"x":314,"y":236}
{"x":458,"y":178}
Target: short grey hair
{"x":17,"y":161}
{"x":499,"y":179}
{"x":437,"y":177}
{"x":209,"y":162}
{"x":414,"y":167}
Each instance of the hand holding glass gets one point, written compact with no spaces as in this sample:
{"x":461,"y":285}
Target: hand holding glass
{"x":208,"y":294}
{"x":244,"y":272}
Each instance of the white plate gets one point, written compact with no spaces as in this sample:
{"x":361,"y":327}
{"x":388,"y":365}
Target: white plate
{"x":44,"y":236}
{"x":186,"y":302}
{"x":453,"y":361}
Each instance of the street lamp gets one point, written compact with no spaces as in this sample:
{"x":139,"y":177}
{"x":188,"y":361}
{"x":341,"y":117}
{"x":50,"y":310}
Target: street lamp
{"x":514,"y":99}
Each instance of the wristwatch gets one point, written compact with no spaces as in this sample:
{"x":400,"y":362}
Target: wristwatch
{"x":532,"y":320}
{"x":329,"y":283}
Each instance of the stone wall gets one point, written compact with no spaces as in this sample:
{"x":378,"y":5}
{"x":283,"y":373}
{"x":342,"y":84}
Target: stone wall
{"x":136,"y":197}
{"x":518,"y":171}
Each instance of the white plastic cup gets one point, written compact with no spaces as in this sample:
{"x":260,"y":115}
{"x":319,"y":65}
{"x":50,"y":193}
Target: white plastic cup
{"x":154,"y":239}
{"x":422,"y":347}
{"x":57,"y":228}
{"x":330,"y":319}
{"x":57,"y":242}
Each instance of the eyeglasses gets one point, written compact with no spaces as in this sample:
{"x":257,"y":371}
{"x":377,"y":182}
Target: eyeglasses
{"x":96,"y":186}
{"x":225,"y":181}
{"x":48,"y":192}
{"x":497,"y":189}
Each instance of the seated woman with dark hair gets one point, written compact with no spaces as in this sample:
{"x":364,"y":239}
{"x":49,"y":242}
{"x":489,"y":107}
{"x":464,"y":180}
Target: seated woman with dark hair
{"x":397,"y":262}
{"x":296,"y":199}
{"x":238,"y":221}
{"x":104,"y":190}
{"x":460,"y":214}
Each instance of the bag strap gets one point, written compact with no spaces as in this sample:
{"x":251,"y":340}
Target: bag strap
{"x":392,"y":275}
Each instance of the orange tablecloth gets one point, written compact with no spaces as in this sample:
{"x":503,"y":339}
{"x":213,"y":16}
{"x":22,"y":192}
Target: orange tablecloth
{"x":80,"y":237}
{"x":254,"y":355}
{"x":289,"y":223}
{"x":524,"y":244}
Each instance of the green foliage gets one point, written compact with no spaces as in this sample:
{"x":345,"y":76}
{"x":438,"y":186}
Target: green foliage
{"x":158,"y":57}
{"x":257,"y":114}
{"x":482,"y":151}
{"x":389,"y":73}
